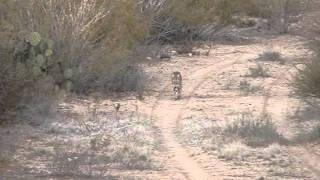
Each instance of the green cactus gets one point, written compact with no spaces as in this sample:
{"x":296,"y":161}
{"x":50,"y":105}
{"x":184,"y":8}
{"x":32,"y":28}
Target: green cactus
{"x":32,"y":53}
{"x":36,"y":71}
{"x":42,"y":46}
{"x":49,"y":43}
{"x":40,"y":60}
{"x":22,"y":35}
{"x":21,"y":68}
{"x":48,"y":52}
{"x":68,"y":74}
{"x":34,"y":38}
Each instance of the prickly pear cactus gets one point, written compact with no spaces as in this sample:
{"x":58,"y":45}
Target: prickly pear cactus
{"x":36,"y":71}
{"x":40,"y":61}
{"x":68,"y":73}
{"x":48,"y":52}
{"x":36,"y":55}
{"x":34,"y":38}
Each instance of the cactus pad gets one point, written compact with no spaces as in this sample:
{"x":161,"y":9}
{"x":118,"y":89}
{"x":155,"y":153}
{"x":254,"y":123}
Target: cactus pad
{"x":34,"y":38}
{"x":68,"y":73}
{"x":49,"y":43}
{"x":48,"y":52}
{"x":40,"y":61}
{"x":36,"y":71}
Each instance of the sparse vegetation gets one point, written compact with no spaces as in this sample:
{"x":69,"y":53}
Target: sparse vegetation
{"x":307,"y":80}
{"x":272,"y":56}
{"x":258,"y":71}
{"x":5,"y":157}
{"x":235,"y":151}
{"x":254,"y":131}
{"x":315,"y":133}
{"x":59,"y":57}
{"x":247,"y":88}
{"x":250,"y":130}
{"x":90,"y":146}
{"x":311,"y":135}
{"x":132,"y":158}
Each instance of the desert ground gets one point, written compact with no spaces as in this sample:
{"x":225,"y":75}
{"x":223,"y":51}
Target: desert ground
{"x":176,"y":136}
{"x":192,"y":138}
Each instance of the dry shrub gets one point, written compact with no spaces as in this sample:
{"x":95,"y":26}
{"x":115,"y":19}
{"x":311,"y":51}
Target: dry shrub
{"x":86,"y":43}
{"x":270,"y":56}
{"x":258,"y":71}
{"x":235,"y":151}
{"x":311,"y":135}
{"x":307,"y":80}
{"x":131,"y":158}
{"x":247,"y":88}
{"x":254,"y":131}
{"x":315,"y":133}
{"x":178,"y":20}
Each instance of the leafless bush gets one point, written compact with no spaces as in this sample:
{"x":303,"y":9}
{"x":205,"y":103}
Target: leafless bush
{"x":270,"y":56}
{"x":247,"y":88}
{"x":281,"y":13}
{"x":254,"y":131}
{"x":5,"y":157}
{"x":306,"y":82}
{"x":258,"y":71}
{"x":131,"y":158}
{"x":309,"y":134}
{"x":235,"y":151}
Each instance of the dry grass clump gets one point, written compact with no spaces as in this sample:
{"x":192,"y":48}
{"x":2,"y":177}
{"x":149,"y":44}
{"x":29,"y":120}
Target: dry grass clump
{"x":254,"y":131}
{"x":211,"y":135}
{"x":5,"y":157}
{"x":128,"y":157}
{"x":272,"y":56}
{"x":235,"y":151}
{"x":311,"y":135}
{"x":247,"y":88}
{"x":258,"y":71}
{"x":273,"y":149}
{"x":315,"y":133}
{"x":307,"y":80}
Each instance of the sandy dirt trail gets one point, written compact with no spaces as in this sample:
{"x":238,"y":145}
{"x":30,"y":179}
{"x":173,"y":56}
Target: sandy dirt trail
{"x":180,"y":157}
{"x":168,"y":112}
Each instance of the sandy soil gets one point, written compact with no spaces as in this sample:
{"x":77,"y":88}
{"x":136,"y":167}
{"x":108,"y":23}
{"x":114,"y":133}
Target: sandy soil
{"x":205,"y":94}
{"x":211,"y":90}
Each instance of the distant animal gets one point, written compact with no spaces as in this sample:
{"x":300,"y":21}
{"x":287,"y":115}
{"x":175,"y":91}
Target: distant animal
{"x":176,"y":79}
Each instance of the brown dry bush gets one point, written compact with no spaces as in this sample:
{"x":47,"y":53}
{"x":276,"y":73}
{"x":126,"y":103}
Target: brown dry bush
{"x":92,"y":39}
{"x":254,"y":131}
{"x":307,"y":80}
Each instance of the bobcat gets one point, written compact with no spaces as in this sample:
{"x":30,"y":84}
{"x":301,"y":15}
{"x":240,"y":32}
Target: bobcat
{"x":176,"y":80}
